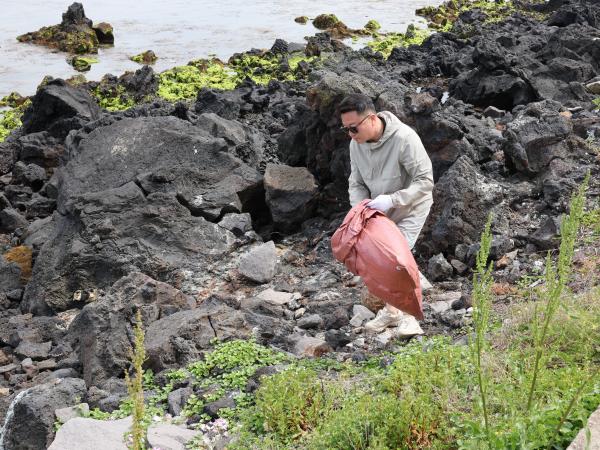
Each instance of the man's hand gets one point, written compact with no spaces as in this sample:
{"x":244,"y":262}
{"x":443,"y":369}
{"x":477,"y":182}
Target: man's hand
{"x":381,"y":202}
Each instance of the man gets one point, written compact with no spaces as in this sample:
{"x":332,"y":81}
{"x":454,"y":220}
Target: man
{"x":390,"y":166}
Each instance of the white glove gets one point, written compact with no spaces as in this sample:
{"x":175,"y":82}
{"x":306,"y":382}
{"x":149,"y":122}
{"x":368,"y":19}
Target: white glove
{"x":381,"y":202}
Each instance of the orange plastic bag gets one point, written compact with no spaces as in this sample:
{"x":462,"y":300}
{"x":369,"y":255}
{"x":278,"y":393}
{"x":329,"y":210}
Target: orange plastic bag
{"x":371,"y":245}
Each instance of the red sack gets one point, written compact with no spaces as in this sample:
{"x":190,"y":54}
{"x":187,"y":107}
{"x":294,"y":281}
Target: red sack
{"x":371,"y":245}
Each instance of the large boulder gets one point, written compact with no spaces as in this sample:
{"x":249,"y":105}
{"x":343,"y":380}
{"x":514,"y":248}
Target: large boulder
{"x":58,"y":108}
{"x":536,"y":137}
{"x":91,"y":434}
{"x":164,"y":154}
{"x":290,"y":193}
{"x":103,"y":329}
{"x":30,"y":424}
{"x":245,"y":142}
{"x":179,"y":339}
{"x":463,"y":198}
{"x":139,"y":195}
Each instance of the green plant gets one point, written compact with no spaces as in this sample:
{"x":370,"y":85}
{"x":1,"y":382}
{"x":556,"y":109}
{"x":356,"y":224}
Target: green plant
{"x":596,"y":102}
{"x":556,"y":278}
{"x":135,"y":386}
{"x":482,"y":300}
{"x":11,"y":119}
{"x":292,"y":403}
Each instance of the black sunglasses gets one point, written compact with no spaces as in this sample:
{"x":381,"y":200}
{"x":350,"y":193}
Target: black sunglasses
{"x":354,"y":129}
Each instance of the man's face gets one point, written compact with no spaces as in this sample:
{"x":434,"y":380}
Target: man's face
{"x":361,"y":127}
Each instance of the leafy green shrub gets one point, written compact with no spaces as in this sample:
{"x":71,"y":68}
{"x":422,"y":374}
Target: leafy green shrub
{"x":292,"y":403}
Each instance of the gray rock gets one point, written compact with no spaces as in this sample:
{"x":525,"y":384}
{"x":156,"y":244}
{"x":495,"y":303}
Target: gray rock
{"x":464,"y":198}
{"x":34,"y":350}
{"x":337,"y":339}
{"x":546,"y":237}
{"x":312,"y":321}
{"x":103,"y":329}
{"x":276,"y":297}
{"x":92,"y":434}
{"x":460,"y":267}
{"x":64,"y":373}
{"x":259,"y":263}
{"x":66,"y":414}
{"x":438,"y":268}
{"x":4,"y":203}
{"x":177,"y":400}
{"x":533,"y":143}
{"x":47,"y":364}
{"x":290,"y":194}
{"x":360,"y":315}
{"x":309,"y":346}
{"x":11,"y":219}
{"x":127,"y":204}
{"x":593,"y":88}
{"x":169,"y":437}
{"x":38,"y":232}
{"x":493,"y":112}
{"x":212,"y":408}
{"x":31,"y":426}
{"x":57,"y":102}
{"x":178,"y":339}
{"x":238,"y":224}
{"x":582,"y":441}
{"x":29,"y":174}
{"x":10,"y":275}
{"x":439,"y":307}
{"x":500,"y":246}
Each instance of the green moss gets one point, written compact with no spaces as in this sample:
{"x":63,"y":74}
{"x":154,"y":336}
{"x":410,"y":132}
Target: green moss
{"x":293,"y":61}
{"x":185,"y":81}
{"x":13,"y":100}
{"x":147,"y":57}
{"x":443,"y":17}
{"x":82,"y":64}
{"x":11,"y":119}
{"x":79,"y":42}
{"x":113,"y":99}
{"x":301,"y":19}
{"x":372,"y":25}
{"x":384,"y":44}
{"x":325,"y":21}
{"x":259,"y":68}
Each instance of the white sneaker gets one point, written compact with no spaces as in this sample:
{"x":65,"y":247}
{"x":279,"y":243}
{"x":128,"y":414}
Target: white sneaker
{"x":425,"y":284}
{"x":383,"y":320}
{"x":409,"y":327}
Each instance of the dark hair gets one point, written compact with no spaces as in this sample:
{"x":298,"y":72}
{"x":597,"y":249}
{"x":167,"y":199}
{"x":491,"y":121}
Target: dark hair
{"x":356,"y":102}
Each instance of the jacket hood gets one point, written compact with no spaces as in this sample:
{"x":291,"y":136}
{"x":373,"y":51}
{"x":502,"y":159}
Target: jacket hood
{"x":392,"y":125}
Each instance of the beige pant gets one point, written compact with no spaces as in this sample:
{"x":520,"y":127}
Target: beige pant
{"x":411,"y":226}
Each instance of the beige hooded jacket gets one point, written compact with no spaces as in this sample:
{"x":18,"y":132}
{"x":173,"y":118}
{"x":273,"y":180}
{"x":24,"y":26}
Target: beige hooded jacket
{"x":398,"y":165}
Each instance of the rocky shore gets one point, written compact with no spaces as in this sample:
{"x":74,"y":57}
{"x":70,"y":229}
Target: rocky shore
{"x":213,"y":216}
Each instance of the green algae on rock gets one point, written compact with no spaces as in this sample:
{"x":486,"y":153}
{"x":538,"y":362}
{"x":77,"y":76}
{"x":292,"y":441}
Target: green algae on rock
{"x":185,"y":81}
{"x":147,"y":57}
{"x":11,"y":118}
{"x":301,"y":20}
{"x":13,"y":100}
{"x":112,"y":98}
{"x":82,"y":64}
{"x":74,"y":34}
{"x":325,"y":21}
{"x":105,"y":33}
{"x":385,"y":43}
{"x":261,"y":67}
{"x":338,"y":29}
{"x":442,"y":18}
{"x":372,"y":25}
